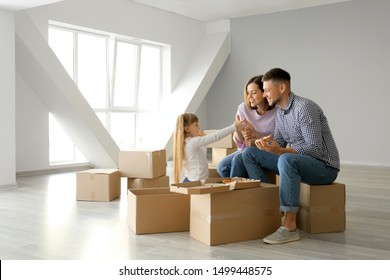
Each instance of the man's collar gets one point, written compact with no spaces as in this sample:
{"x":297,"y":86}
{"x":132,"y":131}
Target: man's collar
{"x":290,"y":100}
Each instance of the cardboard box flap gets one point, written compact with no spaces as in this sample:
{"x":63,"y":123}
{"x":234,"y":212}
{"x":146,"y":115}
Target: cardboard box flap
{"x":199,"y":187}
{"x":236,"y":183}
{"x":99,"y":171}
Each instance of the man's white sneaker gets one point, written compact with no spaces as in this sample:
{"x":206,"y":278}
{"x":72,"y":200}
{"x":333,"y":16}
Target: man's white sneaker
{"x":282,"y":235}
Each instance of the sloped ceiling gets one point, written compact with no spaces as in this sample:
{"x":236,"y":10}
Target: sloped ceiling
{"x":211,"y":10}
{"x":16,"y":5}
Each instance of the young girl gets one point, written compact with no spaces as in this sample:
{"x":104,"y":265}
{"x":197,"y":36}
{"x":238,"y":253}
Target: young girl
{"x":190,"y":147}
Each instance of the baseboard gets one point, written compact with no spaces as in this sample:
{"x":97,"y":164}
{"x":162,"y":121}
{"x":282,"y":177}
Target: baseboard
{"x":364,"y":164}
{"x":56,"y":169}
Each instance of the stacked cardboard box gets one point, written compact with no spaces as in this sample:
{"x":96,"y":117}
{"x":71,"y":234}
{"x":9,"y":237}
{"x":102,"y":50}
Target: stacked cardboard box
{"x":144,"y":168}
{"x":223,"y":213}
{"x":143,"y":183}
{"x":98,"y":184}
{"x":219,"y":150}
{"x":157,"y":210}
{"x":152,"y":208}
{"x":148,"y":164}
{"x":322,"y":208}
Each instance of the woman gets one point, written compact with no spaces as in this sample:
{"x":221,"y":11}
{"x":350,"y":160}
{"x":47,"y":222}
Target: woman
{"x":258,"y":114}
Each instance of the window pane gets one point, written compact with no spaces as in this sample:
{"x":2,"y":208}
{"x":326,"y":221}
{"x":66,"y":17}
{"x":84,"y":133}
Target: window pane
{"x":125,"y":74}
{"x":122,"y":129}
{"x":92,"y":69}
{"x":61,"y":43}
{"x":150,"y":78}
{"x":146,"y":137}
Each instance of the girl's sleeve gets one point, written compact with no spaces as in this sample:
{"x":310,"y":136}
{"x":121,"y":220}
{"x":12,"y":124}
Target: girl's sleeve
{"x":200,"y":141}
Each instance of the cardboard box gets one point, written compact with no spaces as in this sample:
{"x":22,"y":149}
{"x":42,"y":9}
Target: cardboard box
{"x":322,"y":208}
{"x":157,"y":210}
{"x":213,"y":173}
{"x":98,"y":184}
{"x":233,"y":216}
{"x":142,"y":183}
{"x":225,"y":142}
{"x":217,"y":154}
{"x":147,"y":164}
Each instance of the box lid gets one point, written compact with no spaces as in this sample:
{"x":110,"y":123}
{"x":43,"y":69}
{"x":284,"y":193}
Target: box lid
{"x":199,"y":187}
{"x":99,"y":171}
{"x":236,"y":183}
{"x":214,"y":185}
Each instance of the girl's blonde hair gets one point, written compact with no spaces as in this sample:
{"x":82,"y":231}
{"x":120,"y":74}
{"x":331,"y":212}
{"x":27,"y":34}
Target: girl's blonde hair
{"x":178,"y":142}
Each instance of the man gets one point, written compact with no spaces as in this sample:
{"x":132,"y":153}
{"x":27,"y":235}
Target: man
{"x":301,"y":148}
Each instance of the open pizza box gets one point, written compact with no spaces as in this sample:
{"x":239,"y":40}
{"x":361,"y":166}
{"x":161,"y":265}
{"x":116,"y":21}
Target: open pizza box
{"x":214,"y":185}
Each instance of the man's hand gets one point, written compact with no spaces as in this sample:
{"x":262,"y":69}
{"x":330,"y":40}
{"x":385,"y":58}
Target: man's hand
{"x":267,"y":143}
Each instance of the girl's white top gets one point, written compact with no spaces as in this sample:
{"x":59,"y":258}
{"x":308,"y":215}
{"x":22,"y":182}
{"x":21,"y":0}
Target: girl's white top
{"x":195,"y":149}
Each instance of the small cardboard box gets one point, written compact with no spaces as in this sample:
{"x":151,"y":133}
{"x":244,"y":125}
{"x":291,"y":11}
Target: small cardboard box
{"x":98,"y":184}
{"x":157,"y":210}
{"x":213,"y":173}
{"x":142,"y":183}
{"x":225,"y":142}
{"x":273,"y":178}
{"x":322,"y":208}
{"x":237,"y":215}
{"x":147,"y":164}
{"x":217,"y":154}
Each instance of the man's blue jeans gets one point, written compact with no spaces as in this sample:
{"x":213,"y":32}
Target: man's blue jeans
{"x":292,"y":169}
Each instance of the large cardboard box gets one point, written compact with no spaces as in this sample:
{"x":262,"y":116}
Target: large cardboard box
{"x":142,"y":183}
{"x":98,"y":184}
{"x":217,"y":154}
{"x":322,"y":208}
{"x":147,"y":164}
{"x":225,"y":142}
{"x":157,"y":210}
{"x":236,"y":215}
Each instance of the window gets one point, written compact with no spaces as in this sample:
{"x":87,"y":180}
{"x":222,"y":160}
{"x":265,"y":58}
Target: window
{"x":119,"y":77}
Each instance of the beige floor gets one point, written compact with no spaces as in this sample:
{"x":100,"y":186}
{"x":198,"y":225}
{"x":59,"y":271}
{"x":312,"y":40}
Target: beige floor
{"x":41,"y":220}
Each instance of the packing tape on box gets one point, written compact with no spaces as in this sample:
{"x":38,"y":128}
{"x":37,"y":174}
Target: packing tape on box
{"x":258,"y":215}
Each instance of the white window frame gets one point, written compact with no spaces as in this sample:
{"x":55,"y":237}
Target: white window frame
{"x":111,"y":48}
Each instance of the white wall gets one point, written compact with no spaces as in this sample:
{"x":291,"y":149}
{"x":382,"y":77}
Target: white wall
{"x":338,"y":55}
{"x":32,"y":127}
{"x":116,"y":16}
{"x":7,"y":97}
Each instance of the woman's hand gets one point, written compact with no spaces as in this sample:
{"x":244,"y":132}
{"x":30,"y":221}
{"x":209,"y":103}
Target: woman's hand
{"x":249,"y":134}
